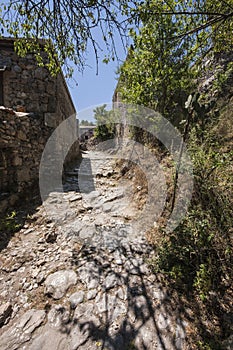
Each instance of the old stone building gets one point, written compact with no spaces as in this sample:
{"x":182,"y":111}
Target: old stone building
{"x":33,"y":104}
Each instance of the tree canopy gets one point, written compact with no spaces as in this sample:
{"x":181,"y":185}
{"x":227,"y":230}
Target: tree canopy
{"x":173,"y":37}
{"x":69,"y":25}
{"x":156,"y":72}
{"x":105,"y":129}
{"x":86,"y":123}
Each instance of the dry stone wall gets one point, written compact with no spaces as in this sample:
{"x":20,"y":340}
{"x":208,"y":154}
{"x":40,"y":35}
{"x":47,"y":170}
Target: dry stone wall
{"x":35,"y":103}
{"x":22,"y":142}
{"x":23,"y":137}
{"x":31,"y":88}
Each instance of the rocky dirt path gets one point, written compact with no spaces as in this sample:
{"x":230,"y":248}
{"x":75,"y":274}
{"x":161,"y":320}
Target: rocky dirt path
{"x":76,"y":278}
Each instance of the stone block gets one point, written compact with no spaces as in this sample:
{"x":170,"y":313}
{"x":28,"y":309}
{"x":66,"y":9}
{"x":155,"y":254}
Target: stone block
{"x":21,"y":135}
{"x":23,"y":175}
{"x":41,"y":73}
{"x":17,"y":69}
{"x":17,"y":161}
{"x":50,"y":119}
{"x":50,"y":88}
{"x":52,"y":104}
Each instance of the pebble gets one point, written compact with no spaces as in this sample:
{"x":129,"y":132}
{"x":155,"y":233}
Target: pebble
{"x":91,"y":294}
{"x":40,"y":277}
{"x":94,"y":283}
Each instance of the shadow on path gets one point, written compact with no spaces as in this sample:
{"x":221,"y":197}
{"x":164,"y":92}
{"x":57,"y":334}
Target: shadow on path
{"x":132,"y":310}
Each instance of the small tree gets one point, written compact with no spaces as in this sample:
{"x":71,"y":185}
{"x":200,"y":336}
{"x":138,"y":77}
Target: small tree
{"x":156,"y":72}
{"x":105,"y":127}
{"x":86,"y":123}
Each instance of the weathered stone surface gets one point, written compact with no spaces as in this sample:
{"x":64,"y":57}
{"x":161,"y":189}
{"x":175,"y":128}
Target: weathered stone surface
{"x":58,"y":316}
{"x":111,"y":281}
{"x":84,"y":311}
{"x":21,"y":331}
{"x":88,"y":274}
{"x":163,"y":321}
{"x":105,"y":302}
{"x":147,"y":338}
{"x":34,"y":95}
{"x":108,"y":295}
{"x":93,"y":283}
{"x":91,"y":294}
{"x":49,"y":339}
{"x":87,"y":232}
{"x":40,"y":73}
{"x":76,"y":298}
{"x":75,"y":197}
{"x":17,"y":69}
{"x":78,"y":337}
{"x":59,"y":282}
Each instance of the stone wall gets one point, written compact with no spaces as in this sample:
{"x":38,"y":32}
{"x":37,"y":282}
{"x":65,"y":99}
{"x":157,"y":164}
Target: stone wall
{"x":31,"y":88}
{"x":35,"y":103}
{"x":22,"y":142}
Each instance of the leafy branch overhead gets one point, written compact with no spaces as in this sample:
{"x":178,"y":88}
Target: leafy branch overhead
{"x":69,"y":26}
{"x":204,"y":14}
{"x":73,"y":26}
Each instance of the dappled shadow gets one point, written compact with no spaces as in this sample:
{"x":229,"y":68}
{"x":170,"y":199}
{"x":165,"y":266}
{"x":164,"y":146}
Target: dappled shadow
{"x":19,"y":214}
{"x":133,"y":309}
{"x":213,"y":318}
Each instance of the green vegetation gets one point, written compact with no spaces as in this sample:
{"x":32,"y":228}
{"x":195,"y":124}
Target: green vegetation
{"x":155,"y":73}
{"x":105,"y":129}
{"x":161,"y":73}
{"x":71,"y":26}
{"x":198,"y":253}
{"x":175,"y":47}
{"x":9,"y":224}
{"x":86,"y":123}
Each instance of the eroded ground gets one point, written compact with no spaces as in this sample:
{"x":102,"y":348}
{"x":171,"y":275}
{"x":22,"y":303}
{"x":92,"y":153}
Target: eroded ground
{"x":76,"y":276}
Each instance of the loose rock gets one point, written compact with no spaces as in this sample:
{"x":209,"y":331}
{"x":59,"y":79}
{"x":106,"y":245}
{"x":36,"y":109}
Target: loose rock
{"x":59,"y":282}
{"x":76,"y":298}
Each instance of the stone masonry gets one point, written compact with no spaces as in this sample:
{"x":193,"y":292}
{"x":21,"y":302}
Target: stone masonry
{"x":33,"y":104}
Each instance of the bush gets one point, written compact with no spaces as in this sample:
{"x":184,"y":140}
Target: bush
{"x":9,"y":223}
{"x":198,"y":252}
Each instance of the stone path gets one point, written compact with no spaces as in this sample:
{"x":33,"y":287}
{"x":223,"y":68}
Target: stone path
{"x":76,"y":277}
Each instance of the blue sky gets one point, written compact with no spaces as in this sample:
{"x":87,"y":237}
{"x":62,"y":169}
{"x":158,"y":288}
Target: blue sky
{"x":95,"y":89}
